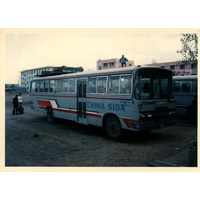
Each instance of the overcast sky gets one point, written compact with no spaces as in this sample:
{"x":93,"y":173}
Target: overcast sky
{"x":34,"y":48}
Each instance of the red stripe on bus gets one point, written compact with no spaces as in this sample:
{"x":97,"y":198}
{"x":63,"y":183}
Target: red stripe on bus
{"x":75,"y":112}
{"x":66,"y":111}
{"x":93,"y":115}
{"x":44,"y":103}
{"x":128,"y":121}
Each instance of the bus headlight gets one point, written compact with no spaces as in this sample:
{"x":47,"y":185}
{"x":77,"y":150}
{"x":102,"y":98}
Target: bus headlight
{"x":146,"y":115}
{"x":142,"y":115}
{"x":171,"y":112}
{"x":149,"y":115}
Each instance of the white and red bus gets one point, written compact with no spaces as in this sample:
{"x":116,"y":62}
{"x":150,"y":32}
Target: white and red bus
{"x":132,"y":98}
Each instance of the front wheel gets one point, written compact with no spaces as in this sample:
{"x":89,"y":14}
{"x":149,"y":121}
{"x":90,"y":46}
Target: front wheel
{"x":50,"y":115}
{"x":113,"y":127}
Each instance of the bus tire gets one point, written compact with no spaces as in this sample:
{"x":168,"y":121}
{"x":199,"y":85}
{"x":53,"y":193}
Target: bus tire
{"x":113,"y":127}
{"x":50,"y":115}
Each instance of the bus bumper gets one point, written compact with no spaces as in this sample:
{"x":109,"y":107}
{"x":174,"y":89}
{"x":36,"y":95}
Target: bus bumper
{"x":144,"y":125}
{"x":156,"y":125}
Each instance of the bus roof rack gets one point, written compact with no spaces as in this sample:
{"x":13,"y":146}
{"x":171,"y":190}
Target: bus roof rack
{"x":61,"y":70}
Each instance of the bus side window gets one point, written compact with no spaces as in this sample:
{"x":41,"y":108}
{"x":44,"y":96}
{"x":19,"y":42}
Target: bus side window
{"x":186,"y":85}
{"x":92,"y":85}
{"x":33,"y":87}
{"x":37,"y":86}
{"x":71,"y":85}
{"x":41,"y":86}
{"x":52,"y":86}
{"x":114,"y":85}
{"x":65,"y":86}
{"x":125,"y":84}
{"x":101,"y":85}
{"x":195,"y":86}
{"x":177,"y":87}
{"x":46,"y":86}
{"x":58,"y":86}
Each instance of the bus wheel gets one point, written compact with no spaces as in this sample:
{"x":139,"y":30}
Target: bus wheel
{"x":50,"y":115}
{"x":113,"y":127}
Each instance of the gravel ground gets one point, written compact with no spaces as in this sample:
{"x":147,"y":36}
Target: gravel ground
{"x":32,"y":141}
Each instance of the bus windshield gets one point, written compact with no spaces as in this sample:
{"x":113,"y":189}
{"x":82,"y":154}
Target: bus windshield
{"x":153,"y":84}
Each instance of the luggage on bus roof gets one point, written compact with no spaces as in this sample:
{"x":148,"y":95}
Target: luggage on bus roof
{"x":62,"y":70}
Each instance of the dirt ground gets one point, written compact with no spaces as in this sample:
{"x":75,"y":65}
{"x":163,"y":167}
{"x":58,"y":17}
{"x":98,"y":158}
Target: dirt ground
{"x":31,"y":141}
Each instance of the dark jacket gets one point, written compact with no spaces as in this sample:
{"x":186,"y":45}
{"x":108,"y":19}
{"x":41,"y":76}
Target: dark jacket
{"x":15,"y":101}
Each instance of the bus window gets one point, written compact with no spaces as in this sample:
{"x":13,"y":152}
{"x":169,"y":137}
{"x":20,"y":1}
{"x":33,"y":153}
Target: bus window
{"x":186,"y":86}
{"x":156,"y":93}
{"x":37,"y":86}
{"x":33,"y":87}
{"x":52,"y":86}
{"x":58,"y":86}
{"x":46,"y":86}
{"x":194,"y":86}
{"x":177,"y":87}
{"x":164,"y":88}
{"x":145,"y":88}
{"x":65,"y":86}
{"x":114,"y":85}
{"x":125,"y":84}
{"x":101,"y":85}
{"x":92,"y":85}
{"x":41,"y":86}
{"x":71,"y":85}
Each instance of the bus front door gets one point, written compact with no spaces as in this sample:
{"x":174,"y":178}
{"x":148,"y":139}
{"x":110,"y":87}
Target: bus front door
{"x":81,"y":102}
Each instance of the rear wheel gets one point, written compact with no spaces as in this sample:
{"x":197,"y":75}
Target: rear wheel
{"x":113,"y":127}
{"x":50,"y":115}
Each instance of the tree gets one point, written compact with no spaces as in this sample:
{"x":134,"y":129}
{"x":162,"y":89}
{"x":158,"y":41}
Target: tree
{"x":189,"y":49}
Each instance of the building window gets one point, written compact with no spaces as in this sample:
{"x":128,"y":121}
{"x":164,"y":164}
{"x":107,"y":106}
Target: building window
{"x":162,"y":66}
{"x":182,"y":66}
{"x":111,"y":63}
{"x":100,"y":68}
{"x":172,"y":67}
{"x":105,"y":64}
{"x":193,"y":66}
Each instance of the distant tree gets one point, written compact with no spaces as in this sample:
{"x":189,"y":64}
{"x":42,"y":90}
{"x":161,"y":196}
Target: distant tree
{"x":189,"y":49}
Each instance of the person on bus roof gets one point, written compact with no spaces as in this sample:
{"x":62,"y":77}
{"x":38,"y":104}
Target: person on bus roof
{"x":123,"y":61}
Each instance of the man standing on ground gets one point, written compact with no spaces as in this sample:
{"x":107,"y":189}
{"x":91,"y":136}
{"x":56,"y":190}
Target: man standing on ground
{"x":15,"y":105}
{"x":20,"y":100}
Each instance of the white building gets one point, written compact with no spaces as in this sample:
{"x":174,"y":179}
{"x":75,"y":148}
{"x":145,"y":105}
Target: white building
{"x":28,"y":75}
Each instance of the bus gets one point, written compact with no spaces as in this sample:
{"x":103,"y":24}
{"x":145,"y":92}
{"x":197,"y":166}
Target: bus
{"x":130,"y":98}
{"x":185,"y":90}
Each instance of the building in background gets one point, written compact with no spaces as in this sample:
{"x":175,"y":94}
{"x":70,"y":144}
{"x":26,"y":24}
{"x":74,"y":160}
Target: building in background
{"x":11,"y":87}
{"x":176,"y":67}
{"x":179,"y":69}
{"x":112,"y":63}
{"x":28,"y":75}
